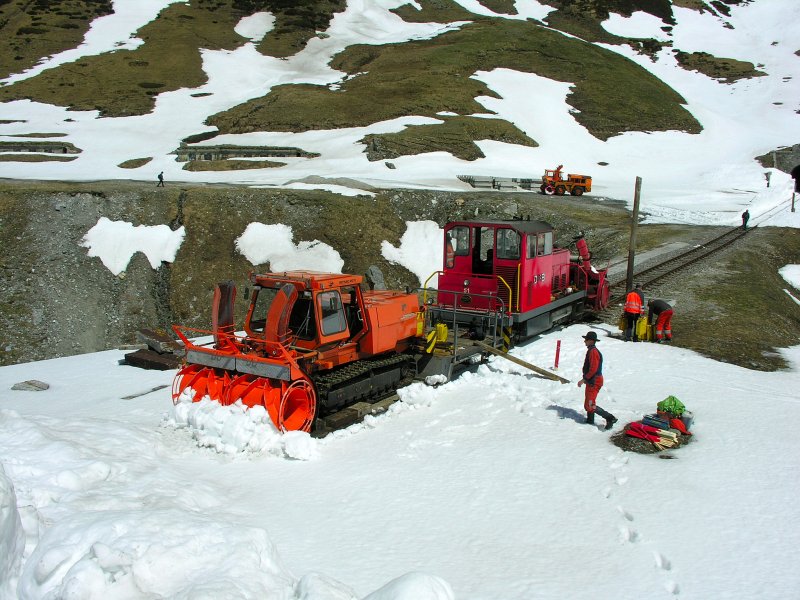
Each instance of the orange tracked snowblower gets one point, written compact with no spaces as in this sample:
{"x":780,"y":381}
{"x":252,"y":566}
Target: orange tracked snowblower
{"x":312,"y":343}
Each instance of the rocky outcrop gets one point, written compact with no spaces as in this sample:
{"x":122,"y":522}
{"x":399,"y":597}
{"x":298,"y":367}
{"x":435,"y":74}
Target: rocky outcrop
{"x":56,"y":300}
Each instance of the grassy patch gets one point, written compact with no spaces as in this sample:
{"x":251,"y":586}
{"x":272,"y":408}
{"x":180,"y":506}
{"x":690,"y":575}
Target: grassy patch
{"x":744,"y":311}
{"x":433,"y":11}
{"x":295,"y":23}
{"x":698,"y":5}
{"x":126,"y":82}
{"x":611,"y":93}
{"x":38,"y":135}
{"x":135,"y":163}
{"x":503,"y":7}
{"x":455,"y":136}
{"x":36,"y":158}
{"x":726,"y":70}
{"x":31,"y":31}
{"x":44,"y":146}
{"x":230,"y":165}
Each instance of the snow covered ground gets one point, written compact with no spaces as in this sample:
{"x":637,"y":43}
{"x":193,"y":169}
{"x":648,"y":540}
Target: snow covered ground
{"x":709,"y":177}
{"x":487,"y":487}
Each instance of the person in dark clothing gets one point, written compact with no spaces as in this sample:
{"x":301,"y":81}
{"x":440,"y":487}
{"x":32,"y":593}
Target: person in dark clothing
{"x":745,"y":218}
{"x":160,"y":179}
{"x":593,"y":378}
{"x":660,"y":313}
{"x":796,"y":176}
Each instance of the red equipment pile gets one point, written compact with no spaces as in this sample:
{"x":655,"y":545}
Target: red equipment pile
{"x":666,"y":427}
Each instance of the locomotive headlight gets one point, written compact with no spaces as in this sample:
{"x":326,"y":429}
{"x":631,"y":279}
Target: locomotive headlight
{"x":466,"y":283}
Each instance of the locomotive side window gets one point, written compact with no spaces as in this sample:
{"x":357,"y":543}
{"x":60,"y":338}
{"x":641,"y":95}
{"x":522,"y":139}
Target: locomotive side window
{"x":456,"y":244}
{"x":531,"y":246}
{"x":332,"y":311}
{"x":545,"y":243}
{"x":461,"y":237}
{"x":507,"y":244}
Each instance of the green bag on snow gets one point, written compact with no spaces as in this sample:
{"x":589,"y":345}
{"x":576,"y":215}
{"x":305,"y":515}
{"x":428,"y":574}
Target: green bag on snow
{"x":672,"y":405}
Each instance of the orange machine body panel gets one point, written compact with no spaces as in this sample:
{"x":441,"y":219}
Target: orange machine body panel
{"x":392,"y":319}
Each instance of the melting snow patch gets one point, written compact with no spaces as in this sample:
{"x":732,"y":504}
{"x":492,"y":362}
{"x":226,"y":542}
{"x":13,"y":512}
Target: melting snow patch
{"x":262,"y":243}
{"x":115,"y":243}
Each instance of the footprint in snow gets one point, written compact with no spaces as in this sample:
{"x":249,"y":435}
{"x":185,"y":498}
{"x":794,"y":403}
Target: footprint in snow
{"x":661,"y":561}
{"x":672,"y":588}
{"x":620,"y":480}
{"x":628,"y":516}
{"x":628,"y":535}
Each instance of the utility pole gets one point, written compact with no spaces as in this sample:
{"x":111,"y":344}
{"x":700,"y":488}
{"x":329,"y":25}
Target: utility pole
{"x":632,"y":243}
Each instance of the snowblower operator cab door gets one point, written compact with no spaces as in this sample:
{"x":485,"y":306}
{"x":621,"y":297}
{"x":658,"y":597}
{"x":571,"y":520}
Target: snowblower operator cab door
{"x":306,"y":319}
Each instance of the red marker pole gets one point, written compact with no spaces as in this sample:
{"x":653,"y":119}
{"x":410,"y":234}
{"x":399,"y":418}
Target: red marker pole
{"x":558,"y":353}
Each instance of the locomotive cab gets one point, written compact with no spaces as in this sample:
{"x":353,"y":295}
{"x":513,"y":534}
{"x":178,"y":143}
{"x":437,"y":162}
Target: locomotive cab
{"x":513,"y":268}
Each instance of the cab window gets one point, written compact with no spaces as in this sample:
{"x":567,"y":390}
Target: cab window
{"x":545,"y":243}
{"x":332,"y":312}
{"x":531,"y":246}
{"x":507,"y":244}
{"x":461,"y":237}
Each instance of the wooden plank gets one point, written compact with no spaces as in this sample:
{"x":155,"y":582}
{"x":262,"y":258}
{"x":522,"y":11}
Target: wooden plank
{"x":149,"y":359}
{"x":158,"y":342}
{"x":522,"y":363}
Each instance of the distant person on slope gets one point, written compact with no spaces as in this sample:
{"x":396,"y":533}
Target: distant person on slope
{"x":160,"y":179}
{"x":660,"y":313}
{"x":745,"y":218}
{"x":593,"y":378}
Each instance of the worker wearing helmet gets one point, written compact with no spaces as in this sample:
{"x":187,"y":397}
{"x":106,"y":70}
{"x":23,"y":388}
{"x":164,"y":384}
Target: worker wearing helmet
{"x":634,"y":306}
{"x":593,"y":378}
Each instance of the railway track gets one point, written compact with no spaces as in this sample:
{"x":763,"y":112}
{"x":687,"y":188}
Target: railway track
{"x":653,"y":274}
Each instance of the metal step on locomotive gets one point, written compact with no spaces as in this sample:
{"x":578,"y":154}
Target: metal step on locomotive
{"x":315,"y":343}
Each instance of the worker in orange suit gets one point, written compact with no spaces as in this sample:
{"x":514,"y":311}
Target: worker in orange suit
{"x":593,"y":379}
{"x":634,"y":306}
{"x":661,"y":312}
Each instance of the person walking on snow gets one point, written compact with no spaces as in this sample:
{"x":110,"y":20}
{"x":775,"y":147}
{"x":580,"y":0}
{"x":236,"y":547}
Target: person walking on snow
{"x":745,"y":218}
{"x":593,"y":379}
{"x":634,"y":303}
{"x":160,"y":179}
{"x":661,"y":311}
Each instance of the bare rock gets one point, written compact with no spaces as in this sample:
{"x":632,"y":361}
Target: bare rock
{"x":32,"y":385}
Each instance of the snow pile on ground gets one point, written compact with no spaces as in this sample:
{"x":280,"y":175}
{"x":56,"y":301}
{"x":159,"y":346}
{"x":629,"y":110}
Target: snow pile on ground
{"x":418,"y":250}
{"x":273,"y":244}
{"x":115,"y":243}
{"x":235,"y":429}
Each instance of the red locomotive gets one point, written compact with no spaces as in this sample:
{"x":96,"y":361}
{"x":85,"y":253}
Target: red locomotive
{"x":514,"y":269}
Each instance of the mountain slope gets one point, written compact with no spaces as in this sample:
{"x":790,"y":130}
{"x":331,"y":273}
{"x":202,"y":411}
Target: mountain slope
{"x":271,"y":92}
